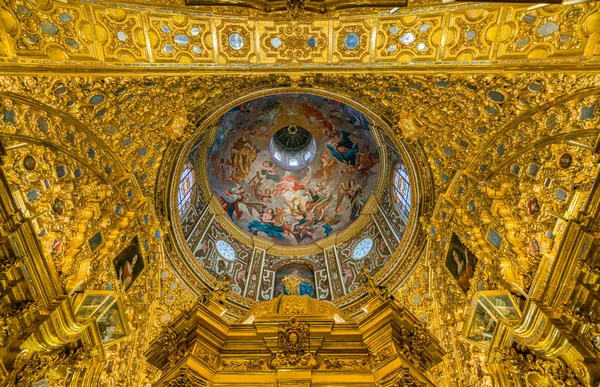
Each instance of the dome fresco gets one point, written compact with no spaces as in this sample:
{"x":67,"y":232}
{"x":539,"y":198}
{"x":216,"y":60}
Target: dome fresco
{"x":296,"y":206}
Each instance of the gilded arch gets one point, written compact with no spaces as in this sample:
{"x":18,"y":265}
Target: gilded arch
{"x":393,"y":273}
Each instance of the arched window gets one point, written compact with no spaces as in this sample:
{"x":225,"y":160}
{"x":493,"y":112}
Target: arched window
{"x":186,"y":185}
{"x":402,"y":188}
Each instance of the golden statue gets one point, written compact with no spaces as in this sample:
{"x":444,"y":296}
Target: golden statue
{"x":221,"y":289}
{"x":292,"y":283}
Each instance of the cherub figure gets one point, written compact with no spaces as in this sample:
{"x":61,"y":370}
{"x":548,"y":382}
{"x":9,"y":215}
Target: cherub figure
{"x":348,"y":275}
{"x":221,"y":290}
{"x":327,"y":166}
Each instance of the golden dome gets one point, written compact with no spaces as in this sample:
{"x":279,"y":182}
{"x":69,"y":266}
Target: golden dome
{"x":296,"y":305}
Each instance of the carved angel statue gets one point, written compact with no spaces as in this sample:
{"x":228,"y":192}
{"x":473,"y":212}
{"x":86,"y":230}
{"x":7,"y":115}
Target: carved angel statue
{"x":5,"y":332}
{"x":179,"y":123}
{"x":373,"y":289}
{"x":408,"y":126}
{"x":221,"y":289}
{"x":369,"y":282}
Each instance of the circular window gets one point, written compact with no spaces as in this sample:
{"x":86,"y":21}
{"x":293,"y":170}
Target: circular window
{"x":363,"y":248}
{"x":226,"y":251}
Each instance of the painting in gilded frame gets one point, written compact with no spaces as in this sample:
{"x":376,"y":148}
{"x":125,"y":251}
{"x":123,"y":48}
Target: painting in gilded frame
{"x":129,"y":264}
{"x":112,"y":325}
{"x":460,"y":262}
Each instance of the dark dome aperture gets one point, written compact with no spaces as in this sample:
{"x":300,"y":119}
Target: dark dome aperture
{"x":293,"y":148}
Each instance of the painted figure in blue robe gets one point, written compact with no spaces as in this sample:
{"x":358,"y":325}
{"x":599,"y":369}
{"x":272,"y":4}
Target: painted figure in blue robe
{"x":306,"y":288}
{"x":344,"y":150}
{"x":355,"y":118}
{"x":326,"y":227}
{"x":266,"y":225}
{"x":294,"y":285}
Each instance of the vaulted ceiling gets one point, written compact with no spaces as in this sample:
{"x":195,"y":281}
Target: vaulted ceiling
{"x":104,"y":98}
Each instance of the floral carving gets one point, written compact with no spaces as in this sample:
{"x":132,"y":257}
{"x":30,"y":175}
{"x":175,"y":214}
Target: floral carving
{"x":527,"y":366}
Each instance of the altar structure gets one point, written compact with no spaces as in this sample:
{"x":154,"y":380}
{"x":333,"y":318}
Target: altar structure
{"x":297,"y":341}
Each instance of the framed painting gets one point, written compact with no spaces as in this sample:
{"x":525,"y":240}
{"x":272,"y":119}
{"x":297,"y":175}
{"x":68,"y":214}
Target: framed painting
{"x":103,"y":306}
{"x":488,"y":308}
{"x":112,"y":324}
{"x":481,"y":325}
{"x":129,"y":264}
{"x":93,"y":303}
{"x":460,"y":262}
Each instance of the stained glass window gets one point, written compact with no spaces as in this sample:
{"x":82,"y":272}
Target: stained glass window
{"x":186,"y":185}
{"x":402,"y":188}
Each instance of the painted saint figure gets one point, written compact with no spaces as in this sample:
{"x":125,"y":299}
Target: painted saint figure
{"x":365,"y":161}
{"x":266,"y":224}
{"x":353,"y":192}
{"x":267,"y":169}
{"x":289,"y":184}
{"x":126,"y":272}
{"x":327,"y":166}
{"x":230,"y":201}
{"x":344,"y":149}
{"x":294,"y":285}
{"x":218,"y":168}
{"x":461,"y":263}
{"x":317,"y":118}
{"x":348,"y":275}
{"x":243,"y":158}
{"x":464,"y":269}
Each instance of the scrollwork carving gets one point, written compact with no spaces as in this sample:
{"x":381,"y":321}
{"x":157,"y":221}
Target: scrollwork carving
{"x":382,"y":355}
{"x":55,"y":366}
{"x":245,"y":365}
{"x":294,"y":346}
{"x":343,"y":364}
{"x":529,"y":367}
{"x":413,"y":343}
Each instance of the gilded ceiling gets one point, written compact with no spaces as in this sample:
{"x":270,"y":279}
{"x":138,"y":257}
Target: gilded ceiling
{"x":493,"y":110}
{"x":122,"y":37}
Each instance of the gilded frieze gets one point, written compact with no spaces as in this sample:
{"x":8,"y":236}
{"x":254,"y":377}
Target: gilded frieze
{"x":118,"y":36}
{"x":181,"y":39}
